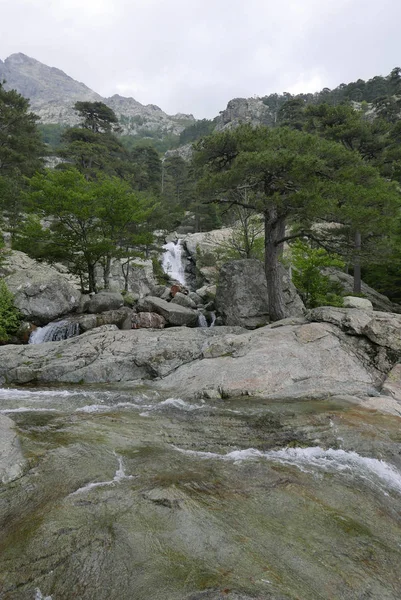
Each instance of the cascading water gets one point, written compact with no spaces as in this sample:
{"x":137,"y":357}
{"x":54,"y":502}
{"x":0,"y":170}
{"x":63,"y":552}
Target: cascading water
{"x":202,"y":321}
{"x":172,"y":261}
{"x":54,"y":332}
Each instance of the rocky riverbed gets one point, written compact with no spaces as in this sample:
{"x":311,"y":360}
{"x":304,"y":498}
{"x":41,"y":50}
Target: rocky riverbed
{"x":204,"y":464}
{"x":132,"y":494}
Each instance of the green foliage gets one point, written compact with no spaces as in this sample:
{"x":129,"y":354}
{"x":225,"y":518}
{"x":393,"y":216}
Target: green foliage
{"x":296,"y":179}
{"x":356,"y":91}
{"x":10,"y":317}
{"x":97,"y":117}
{"x":51,"y":135}
{"x":161,"y":277}
{"x":196,"y":131}
{"x":90,"y":221}
{"x":21,"y":151}
{"x":315,"y":288}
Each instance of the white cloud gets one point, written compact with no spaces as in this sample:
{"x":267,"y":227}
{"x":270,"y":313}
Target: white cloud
{"x":194,"y":55}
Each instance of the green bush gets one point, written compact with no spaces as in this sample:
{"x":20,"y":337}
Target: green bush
{"x":315,"y":288}
{"x":10,"y":317}
{"x":161,"y":277}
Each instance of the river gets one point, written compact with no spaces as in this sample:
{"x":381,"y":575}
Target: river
{"x":132,"y":495}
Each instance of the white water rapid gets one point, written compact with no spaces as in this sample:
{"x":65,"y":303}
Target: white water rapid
{"x":172,"y":261}
{"x":54,"y":332}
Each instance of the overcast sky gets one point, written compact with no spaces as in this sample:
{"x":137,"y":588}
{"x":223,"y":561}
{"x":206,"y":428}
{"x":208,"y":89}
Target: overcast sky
{"x":195,"y":55}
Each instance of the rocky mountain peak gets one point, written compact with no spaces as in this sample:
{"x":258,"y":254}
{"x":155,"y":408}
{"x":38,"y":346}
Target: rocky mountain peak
{"x":53,"y":93}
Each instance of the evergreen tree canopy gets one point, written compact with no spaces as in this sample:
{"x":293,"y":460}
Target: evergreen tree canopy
{"x":296,"y":179}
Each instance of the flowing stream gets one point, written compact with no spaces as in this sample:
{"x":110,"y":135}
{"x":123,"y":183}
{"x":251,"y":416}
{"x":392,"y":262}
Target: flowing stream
{"x":172,"y":261}
{"x":54,"y":332}
{"x":131,"y":494}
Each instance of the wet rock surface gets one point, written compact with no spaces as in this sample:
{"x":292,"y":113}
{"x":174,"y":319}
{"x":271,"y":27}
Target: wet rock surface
{"x":348,"y":352}
{"x":168,"y":499}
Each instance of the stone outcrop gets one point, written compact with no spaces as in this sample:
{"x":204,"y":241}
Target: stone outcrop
{"x":121,"y":317}
{"x":174,"y":314}
{"x":40,"y":292}
{"x":355,"y":302}
{"x":380,"y":328}
{"x":183,"y":300}
{"x":104,"y":301}
{"x":351,"y":354}
{"x":242,"y":297}
{"x":379,"y":301}
{"x":244,"y":110}
{"x":208,"y":241}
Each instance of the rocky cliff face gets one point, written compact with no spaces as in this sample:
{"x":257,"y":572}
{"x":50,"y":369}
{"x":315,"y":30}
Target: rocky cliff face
{"x":244,"y":110}
{"x":52,"y":95}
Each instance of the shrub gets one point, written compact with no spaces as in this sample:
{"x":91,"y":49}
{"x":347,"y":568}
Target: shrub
{"x":315,"y":288}
{"x":10,"y":317}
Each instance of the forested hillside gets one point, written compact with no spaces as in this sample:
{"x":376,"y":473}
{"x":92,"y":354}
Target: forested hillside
{"x":325,"y":174}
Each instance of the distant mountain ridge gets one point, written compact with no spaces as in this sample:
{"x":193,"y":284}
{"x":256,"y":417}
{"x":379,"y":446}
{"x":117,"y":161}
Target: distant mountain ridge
{"x":53,"y":93}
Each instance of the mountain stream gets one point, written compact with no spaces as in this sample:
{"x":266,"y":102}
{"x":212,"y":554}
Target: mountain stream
{"x":129,"y":494}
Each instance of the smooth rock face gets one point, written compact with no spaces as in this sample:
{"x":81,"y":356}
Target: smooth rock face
{"x":355,"y":302}
{"x":174,"y":314}
{"x":392,"y":384}
{"x":12,"y":462}
{"x":40,"y":292}
{"x":381,"y":328}
{"x":208,"y":241}
{"x":104,"y":301}
{"x":242,"y":298}
{"x":301,"y":360}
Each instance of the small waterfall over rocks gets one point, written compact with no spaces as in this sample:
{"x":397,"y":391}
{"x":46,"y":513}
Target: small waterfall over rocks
{"x":172,"y":261}
{"x":203,"y":320}
{"x":54,"y":332}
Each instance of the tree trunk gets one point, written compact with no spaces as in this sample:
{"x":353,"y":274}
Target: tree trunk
{"x":106,"y":272}
{"x":91,"y":278}
{"x":357,"y":263}
{"x":125,"y":270}
{"x":274,"y":231}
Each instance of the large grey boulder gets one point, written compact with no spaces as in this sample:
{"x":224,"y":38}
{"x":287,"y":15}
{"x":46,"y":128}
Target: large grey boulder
{"x":104,"y":301}
{"x":40,"y":292}
{"x":12,"y":461}
{"x":121,"y":317}
{"x":206,"y":242}
{"x":174,"y":314}
{"x":381,"y":328}
{"x":379,"y":301}
{"x":306,"y":360}
{"x":183,"y":300}
{"x":355,"y":302}
{"x":242,"y":297}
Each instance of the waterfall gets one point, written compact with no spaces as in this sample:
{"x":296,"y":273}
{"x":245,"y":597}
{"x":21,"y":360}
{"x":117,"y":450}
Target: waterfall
{"x":172,"y":261}
{"x":54,"y":332}
{"x":202,"y":322}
